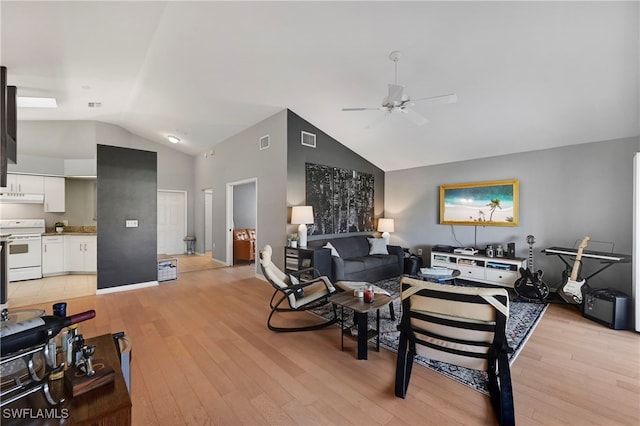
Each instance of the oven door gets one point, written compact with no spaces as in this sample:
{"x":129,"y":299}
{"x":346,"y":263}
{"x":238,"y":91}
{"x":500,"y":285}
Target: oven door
{"x":24,"y":251}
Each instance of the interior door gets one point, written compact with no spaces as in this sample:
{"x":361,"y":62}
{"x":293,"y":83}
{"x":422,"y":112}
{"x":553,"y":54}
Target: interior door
{"x":172,"y":226}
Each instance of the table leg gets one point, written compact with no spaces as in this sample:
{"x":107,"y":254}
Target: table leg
{"x":362,"y":334}
{"x":342,"y":328}
{"x":378,"y":330}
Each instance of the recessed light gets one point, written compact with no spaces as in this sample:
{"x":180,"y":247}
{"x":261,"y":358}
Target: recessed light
{"x":32,"y":102}
{"x":173,"y":139}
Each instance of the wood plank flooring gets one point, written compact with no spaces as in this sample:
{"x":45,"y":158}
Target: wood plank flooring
{"x":202,"y":355}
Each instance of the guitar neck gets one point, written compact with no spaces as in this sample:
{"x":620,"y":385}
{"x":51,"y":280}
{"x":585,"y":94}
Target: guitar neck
{"x":531,"y":258}
{"x":576,"y":263}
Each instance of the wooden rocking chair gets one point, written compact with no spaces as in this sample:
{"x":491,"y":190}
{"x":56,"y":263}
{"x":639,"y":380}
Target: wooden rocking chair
{"x":290,"y":295}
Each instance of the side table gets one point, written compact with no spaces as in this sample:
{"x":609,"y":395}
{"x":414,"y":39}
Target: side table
{"x":361,"y":310}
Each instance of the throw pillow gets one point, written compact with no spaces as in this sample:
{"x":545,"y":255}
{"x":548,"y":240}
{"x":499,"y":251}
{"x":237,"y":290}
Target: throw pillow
{"x":377,"y":246}
{"x":334,"y":252}
{"x":298,"y":293}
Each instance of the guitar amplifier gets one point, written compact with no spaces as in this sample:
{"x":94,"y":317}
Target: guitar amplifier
{"x":608,"y":307}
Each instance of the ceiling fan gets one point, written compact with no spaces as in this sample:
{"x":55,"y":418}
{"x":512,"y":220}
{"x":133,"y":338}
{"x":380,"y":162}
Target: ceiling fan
{"x":397,"y":101}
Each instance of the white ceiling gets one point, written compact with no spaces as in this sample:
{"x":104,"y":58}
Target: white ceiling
{"x":528,"y":75}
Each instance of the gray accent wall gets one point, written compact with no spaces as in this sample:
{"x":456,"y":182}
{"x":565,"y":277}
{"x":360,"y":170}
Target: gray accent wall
{"x":238,"y":159}
{"x":328,"y":152}
{"x":127,"y":190}
{"x":566,"y":194}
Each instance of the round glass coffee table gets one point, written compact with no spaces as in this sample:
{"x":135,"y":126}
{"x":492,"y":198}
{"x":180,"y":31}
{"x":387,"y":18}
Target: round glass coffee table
{"x":439,"y":278}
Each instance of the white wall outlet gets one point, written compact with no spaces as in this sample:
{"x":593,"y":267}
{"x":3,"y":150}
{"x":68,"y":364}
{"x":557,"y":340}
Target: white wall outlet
{"x":129,"y":223}
{"x":419,"y":252}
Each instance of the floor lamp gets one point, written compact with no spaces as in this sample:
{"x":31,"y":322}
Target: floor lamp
{"x":302,"y":215}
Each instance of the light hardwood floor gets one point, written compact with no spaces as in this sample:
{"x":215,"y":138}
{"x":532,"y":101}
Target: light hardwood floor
{"x":202,"y":355}
{"x":45,"y":290}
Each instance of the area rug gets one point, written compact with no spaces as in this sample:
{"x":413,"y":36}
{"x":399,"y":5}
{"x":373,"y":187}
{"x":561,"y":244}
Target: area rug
{"x":523,"y":318}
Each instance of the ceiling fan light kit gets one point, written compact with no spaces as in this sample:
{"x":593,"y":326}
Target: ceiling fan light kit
{"x":397,"y":101}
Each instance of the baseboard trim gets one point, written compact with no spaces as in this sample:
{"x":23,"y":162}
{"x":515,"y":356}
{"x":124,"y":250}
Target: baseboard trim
{"x":127,"y":287}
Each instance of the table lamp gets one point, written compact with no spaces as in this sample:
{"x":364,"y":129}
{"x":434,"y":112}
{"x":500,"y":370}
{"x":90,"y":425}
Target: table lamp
{"x":385,"y":226}
{"x":302,"y":215}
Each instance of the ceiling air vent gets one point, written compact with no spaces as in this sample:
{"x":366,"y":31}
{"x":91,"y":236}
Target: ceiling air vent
{"x":94,"y":104}
{"x":264,"y":142}
{"x":308,"y":139}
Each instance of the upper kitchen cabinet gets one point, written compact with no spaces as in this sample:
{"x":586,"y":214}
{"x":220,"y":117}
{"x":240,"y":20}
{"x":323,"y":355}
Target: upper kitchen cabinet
{"x":54,"y":194}
{"x":24,"y":184}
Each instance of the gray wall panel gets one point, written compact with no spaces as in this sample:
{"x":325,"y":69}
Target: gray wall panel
{"x":127,"y":189}
{"x":565,"y":194}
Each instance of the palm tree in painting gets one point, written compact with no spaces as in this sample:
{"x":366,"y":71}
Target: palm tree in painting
{"x":493,"y":205}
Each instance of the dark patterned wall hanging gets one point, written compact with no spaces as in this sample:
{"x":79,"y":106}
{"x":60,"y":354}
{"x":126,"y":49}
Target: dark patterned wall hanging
{"x":342,"y":199}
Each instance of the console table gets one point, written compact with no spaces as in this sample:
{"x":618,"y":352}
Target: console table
{"x":107,"y":405}
{"x":499,"y":271}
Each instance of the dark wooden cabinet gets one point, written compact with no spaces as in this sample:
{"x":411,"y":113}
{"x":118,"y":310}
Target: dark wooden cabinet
{"x":297,"y":259}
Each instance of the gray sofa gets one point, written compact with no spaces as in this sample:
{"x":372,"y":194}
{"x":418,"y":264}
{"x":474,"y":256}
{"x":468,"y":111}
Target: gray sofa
{"x":356,"y":264}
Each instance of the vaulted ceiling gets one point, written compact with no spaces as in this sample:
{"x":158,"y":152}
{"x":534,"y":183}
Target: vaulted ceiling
{"x":528,"y":75}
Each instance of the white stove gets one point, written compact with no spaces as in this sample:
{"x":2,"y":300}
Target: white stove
{"x":24,"y":248}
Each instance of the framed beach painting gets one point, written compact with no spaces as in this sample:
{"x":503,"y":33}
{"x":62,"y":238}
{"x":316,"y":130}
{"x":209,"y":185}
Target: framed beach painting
{"x":492,"y":203}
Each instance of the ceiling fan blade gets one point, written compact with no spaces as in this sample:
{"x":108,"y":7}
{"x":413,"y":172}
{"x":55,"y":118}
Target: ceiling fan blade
{"x":414,"y":117}
{"x":451,"y":98}
{"x":395,"y":93}
{"x":360,"y":109}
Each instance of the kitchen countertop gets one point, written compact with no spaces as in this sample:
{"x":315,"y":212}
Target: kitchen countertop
{"x":72,"y":230}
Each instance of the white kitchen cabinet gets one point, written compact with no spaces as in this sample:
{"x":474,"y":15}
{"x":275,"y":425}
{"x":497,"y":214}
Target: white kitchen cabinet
{"x":54,"y":194}
{"x":52,"y":255}
{"x":80,"y":253}
{"x":24,"y":184}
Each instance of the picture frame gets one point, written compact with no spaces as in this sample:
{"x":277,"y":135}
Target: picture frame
{"x":492,"y":203}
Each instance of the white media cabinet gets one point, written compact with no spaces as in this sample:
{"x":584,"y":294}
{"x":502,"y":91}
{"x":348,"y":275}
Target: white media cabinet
{"x":500,"y":271}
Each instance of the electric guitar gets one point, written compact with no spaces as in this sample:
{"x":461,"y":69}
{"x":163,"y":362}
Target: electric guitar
{"x":530,"y":285}
{"x":571,"y":290}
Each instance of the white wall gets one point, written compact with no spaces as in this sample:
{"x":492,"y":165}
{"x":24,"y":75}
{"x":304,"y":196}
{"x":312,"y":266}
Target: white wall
{"x":565,"y":194}
{"x":636,"y":237}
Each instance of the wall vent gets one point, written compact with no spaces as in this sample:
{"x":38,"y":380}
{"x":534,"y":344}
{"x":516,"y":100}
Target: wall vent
{"x":94,"y":104}
{"x":308,"y":139}
{"x":264,"y":142}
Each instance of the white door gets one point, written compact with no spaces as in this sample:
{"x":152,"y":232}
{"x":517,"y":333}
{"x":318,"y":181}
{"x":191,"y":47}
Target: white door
{"x":172,"y":225}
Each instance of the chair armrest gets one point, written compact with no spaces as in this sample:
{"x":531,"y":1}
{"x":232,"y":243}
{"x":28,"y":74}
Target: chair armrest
{"x":301,"y":271}
{"x":325,"y":280}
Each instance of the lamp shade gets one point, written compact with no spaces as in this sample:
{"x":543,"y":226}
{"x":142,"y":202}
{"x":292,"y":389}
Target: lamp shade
{"x":301,"y":214}
{"x":385,"y":225}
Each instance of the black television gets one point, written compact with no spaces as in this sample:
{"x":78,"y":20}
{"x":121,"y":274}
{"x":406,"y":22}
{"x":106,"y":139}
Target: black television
{"x":8,"y":125}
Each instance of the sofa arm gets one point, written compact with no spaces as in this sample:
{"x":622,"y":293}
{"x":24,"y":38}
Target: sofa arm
{"x":337,"y":268}
{"x":399,"y":253}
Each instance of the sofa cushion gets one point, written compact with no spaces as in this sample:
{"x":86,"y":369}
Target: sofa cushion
{"x":348,"y":247}
{"x":353,"y":265}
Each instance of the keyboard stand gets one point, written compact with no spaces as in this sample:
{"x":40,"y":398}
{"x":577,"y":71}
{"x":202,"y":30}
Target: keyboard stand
{"x":605,"y":258}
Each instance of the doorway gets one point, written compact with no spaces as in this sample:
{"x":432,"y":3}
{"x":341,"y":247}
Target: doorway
{"x":172,"y":223}
{"x":242,"y":211}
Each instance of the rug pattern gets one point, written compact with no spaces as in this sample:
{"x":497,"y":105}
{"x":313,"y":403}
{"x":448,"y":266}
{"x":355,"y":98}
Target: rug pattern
{"x":523,"y":317}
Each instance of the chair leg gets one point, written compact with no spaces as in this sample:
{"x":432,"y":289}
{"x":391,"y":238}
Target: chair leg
{"x":293,"y":329}
{"x":403,"y":367}
{"x":500,"y":390}
{"x":392,"y":311}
